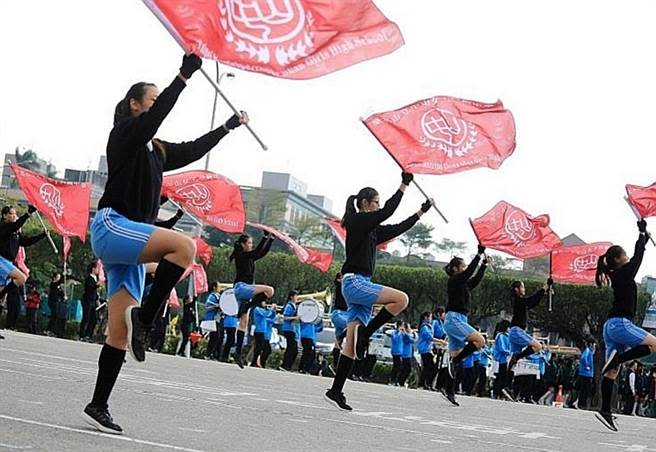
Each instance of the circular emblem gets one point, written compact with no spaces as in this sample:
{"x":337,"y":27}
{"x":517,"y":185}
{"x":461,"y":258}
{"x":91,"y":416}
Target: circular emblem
{"x":519,"y":228}
{"x":196,"y":195}
{"x":585,"y":263}
{"x":52,"y":197}
{"x":443,"y":130}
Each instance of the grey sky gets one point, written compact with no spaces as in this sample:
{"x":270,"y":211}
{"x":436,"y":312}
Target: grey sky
{"x":578,"y":76}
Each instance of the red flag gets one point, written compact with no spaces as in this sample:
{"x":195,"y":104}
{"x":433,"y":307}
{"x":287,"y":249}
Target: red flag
{"x":317,"y":259}
{"x":101,"y":272}
{"x":200,"y":279}
{"x":213,"y":198}
{"x":64,"y":204}
{"x":20,"y":261}
{"x":335,"y":225}
{"x":173,"y":300}
{"x":511,"y":230}
{"x":643,"y":199}
{"x":577,"y":264}
{"x":444,"y":135}
{"x":67,"y":246}
{"x":203,"y":250}
{"x":296,"y":39}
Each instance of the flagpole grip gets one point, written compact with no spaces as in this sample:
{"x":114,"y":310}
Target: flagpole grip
{"x":232,"y":107}
{"x":45,"y":229}
{"x":489,"y":262}
{"x":638,"y":216}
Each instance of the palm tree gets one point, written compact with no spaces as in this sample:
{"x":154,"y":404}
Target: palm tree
{"x":31,"y":161}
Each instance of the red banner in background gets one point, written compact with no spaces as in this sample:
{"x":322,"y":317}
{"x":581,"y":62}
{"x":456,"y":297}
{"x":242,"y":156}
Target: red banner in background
{"x":317,"y":259}
{"x":509,"y":229}
{"x":64,"y":204}
{"x":200,"y":279}
{"x":20,"y":261}
{"x":101,"y":272}
{"x":174,"y":302}
{"x":444,"y":135}
{"x":643,"y":199}
{"x":295,"y":39}
{"x":577,"y":264}
{"x":66,"y":240}
{"x":203,"y":250}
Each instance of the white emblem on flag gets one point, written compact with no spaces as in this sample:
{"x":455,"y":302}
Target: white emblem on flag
{"x":519,"y":228}
{"x":442,"y":130}
{"x":52,"y":197}
{"x":260,"y":28}
{"x":584,"y":263}
{"x":197,"y":195}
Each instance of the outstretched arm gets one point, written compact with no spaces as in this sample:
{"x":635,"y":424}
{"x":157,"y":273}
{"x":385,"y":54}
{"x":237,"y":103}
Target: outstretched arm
{"x":535,"y":299}
{"x":168,"y":224}
{"x":478,"y":277}
{"x":29,"y":241}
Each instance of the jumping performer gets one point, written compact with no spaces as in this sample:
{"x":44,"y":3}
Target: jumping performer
{"x":339,"y":319}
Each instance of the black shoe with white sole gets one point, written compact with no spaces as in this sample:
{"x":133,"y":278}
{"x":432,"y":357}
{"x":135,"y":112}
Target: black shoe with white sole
{"x":361,"y":342}
{"x":338,"y":400}
{"x":100,"y":419}
{"x":607,"y":419}
{"x":508,"y":395}
{"x":237,"y":359}
{"x":136,"y":334}
{"x":449,"y":397}
{"x":611,"y":363}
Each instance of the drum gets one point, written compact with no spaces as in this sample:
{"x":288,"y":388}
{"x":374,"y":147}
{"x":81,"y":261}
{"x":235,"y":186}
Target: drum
{"x":524,"y":367}
{"x":322,"y":311}
{"x":308,"y":311}
{"x":208,"y":326}
{"x":228,"y":302}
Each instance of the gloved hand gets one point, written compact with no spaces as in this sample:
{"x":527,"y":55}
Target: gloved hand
{"x":190,"y":64}
{"x":425,"y":207}
{"x":550,"y":282}
{"x":406,"y":178}
{"x":31,"y":209}
{"x":233,"y":122}
{"x":179,"y":213}
{"x":267,"y":234}
{"x":481,"y":249}
{"x":642,"y":225}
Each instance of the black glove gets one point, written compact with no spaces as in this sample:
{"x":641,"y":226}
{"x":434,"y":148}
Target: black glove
{"x":233,"y":122}
{"x":267,"y":234}
{"x":425,"y":207}
{"x":406,"y":178}
{"x":31,"y":209}
{"x":163,"y":200}
{"x":190,"y":64}
{"x":481,"y":249}
{"x":642,"y":225}
{"x":550,"y":282}
{"x":179,"y":213}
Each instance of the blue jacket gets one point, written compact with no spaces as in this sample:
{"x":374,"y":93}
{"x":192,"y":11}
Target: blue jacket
{"x":425,"y":339}
{"x":397,"y":343}
{"x":289,"y":311}
{"x":468,"y":362}
{"x":586,"y":366}
{"x":484,"y":359}
{"x":211,"y":306}
{"x":230,"y":321}
{"x":501,"y":350}
{"x":269,"y":321}
{"x":408,"y":343}
{"x":309,"y":330}
{"x":438,"y":329}
{"x":260,"y":317}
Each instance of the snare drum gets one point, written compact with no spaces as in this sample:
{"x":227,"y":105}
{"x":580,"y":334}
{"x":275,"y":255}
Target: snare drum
{"x":308,"y":311}
{"x":322,"y":311}
{"x":228,"y":302}
{"x":208,"y":326}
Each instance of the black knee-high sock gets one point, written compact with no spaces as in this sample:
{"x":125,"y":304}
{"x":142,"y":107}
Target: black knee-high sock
{"x":7,"y":288}
{"x":344,"y":368}
{"x":634,"y":353}
{"x":336,"y":353}
{"x":166,"y":277}
{"x":607,"y":386}
{"x":381,"y":319}
{"x":109,"y":366}
{"x":528,"y":351}
{"x":240,"y":342}
{"x":468,"y":350}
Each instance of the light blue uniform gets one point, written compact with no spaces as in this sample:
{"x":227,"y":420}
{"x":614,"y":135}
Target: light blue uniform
{"x":360,"y":295}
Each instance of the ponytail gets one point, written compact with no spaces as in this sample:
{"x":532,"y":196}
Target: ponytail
{"x":350,"y":208}
{"x":606,"y":265}
{"x":451,"y":266}
{"x":354,"y":201}
{"x":238,"y":245}
{"x":137,"y":92}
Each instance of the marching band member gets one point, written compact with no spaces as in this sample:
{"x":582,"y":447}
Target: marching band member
{"x":291,"y":330}
{"x":263,"y":316}
{"x":212,"y":313}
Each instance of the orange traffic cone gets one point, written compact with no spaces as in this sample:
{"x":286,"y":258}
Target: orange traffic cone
{"x":558,"y":402}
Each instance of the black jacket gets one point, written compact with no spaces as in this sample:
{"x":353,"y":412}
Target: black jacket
{"x":459,"y":286}
{"x":625,"y":289}
{"x":11,"y":238}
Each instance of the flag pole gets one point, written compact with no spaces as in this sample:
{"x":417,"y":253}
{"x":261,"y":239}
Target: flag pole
{"x":45,"y":229}
{"x":638,"y":216}
{"x":196,"y":220}
{"x":489,"y":262}
{"x":550,"y":277}
{"x":421,"y":190}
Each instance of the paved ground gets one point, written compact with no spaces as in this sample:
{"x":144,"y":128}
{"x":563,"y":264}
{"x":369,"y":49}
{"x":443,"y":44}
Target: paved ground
{"x":173,"y":403}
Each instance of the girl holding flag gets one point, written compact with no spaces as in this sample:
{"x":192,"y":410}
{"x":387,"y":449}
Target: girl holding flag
{"x":624,"y":340}
{"x":123,"y":234}
{"x":364,"y":232}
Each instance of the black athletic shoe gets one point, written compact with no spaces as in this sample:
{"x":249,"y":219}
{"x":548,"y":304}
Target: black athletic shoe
{"x":611,"y":363}
{"x":1,"y":336}
{"x":100,"y":419}
{"x":338,"y":400}
{"x":508,"y":395}
{"x":607,"y":419}
{"x":449,"y":397}
{"x":136,"y":334}
{"x":237,"y":359}
{"x":361,"y":342}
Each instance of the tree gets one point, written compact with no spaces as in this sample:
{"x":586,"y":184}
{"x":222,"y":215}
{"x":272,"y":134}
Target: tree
{"x":500,"y":262}
{"x":31,"y":161}
{"x":418,"y":237}
{"x":311,"y":231}
{"x":448,"y":246}
{"x":266,"y":207}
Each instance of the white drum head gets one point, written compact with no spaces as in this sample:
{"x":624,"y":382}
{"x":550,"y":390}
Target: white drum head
{"x":308,"y":311}
{"x":228,"y":302}
{"x":322,"y":311}
{"x":208,"y":326}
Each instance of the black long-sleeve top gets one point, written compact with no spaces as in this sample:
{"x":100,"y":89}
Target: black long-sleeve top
{"x":136,"y":161}
{"x":168,"y":224}
{"x":90,"y":289}
{"x":11,"y":238}
{"x":364,"y":232}
{"x":460,"y":285}
{"x":521,"y":305}
{"x":55,"y":293}
{"x":189,"y":313}
{"x":340,"y":302}
{"x":245,"y":260}
{"x":625,"y":289}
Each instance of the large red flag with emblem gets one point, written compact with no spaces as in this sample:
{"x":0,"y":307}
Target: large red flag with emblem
{"x":203,"y":250}
{"x":509,"y":229}
{"x":643,"y":199}
{"x":295,"y":39}
{"x":64,"y":204}
{"x":444,"y":135}
{"x":20,"y":261}
{"x":577,"y":264}
{"x":317,"y":259}
{"x":200,"y":279}
{"x":212,"y":198}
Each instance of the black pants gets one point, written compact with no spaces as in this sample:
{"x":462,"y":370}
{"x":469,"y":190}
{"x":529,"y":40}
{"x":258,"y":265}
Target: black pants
{"x":186,"y":331}
{"x":427,"y":370}
{"x":262,"y":350}
{"x":229,"y":342}
{"x":215,"y":342}
{"x":482,"y":381}
{"x":468,"y":380}
{"x":501,"y":381}
{"x":406,"y":368}
{"x":291,"y":351}
{"x":396,"y":368}
{"x":60,"y":327}
{"x":88,"y":323}
{"x":13,"y":308}
{"x":32,"y":320}
{"x":585,"y":391}
{"x":307,"y":358}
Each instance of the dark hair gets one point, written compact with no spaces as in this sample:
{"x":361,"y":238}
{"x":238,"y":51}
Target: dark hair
{"x":6,"y":210}
{"x":501,"y":327}
{"x":292,"y":293}
{"x":215,"y":284}
{"x":90,"y":267}
{"x":425,"y":315}
{"x":439,"y":310}
{"x":399,"y":323}
{"x":237,"y":246}
{"x":136,"y":91}
{"x":590,"y":341}
{"x":451,"y":266}
{"x":354,"y":201}
{"x":338,"y":275}
{"x":607,"y":265}
{"x":514,"y":286}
